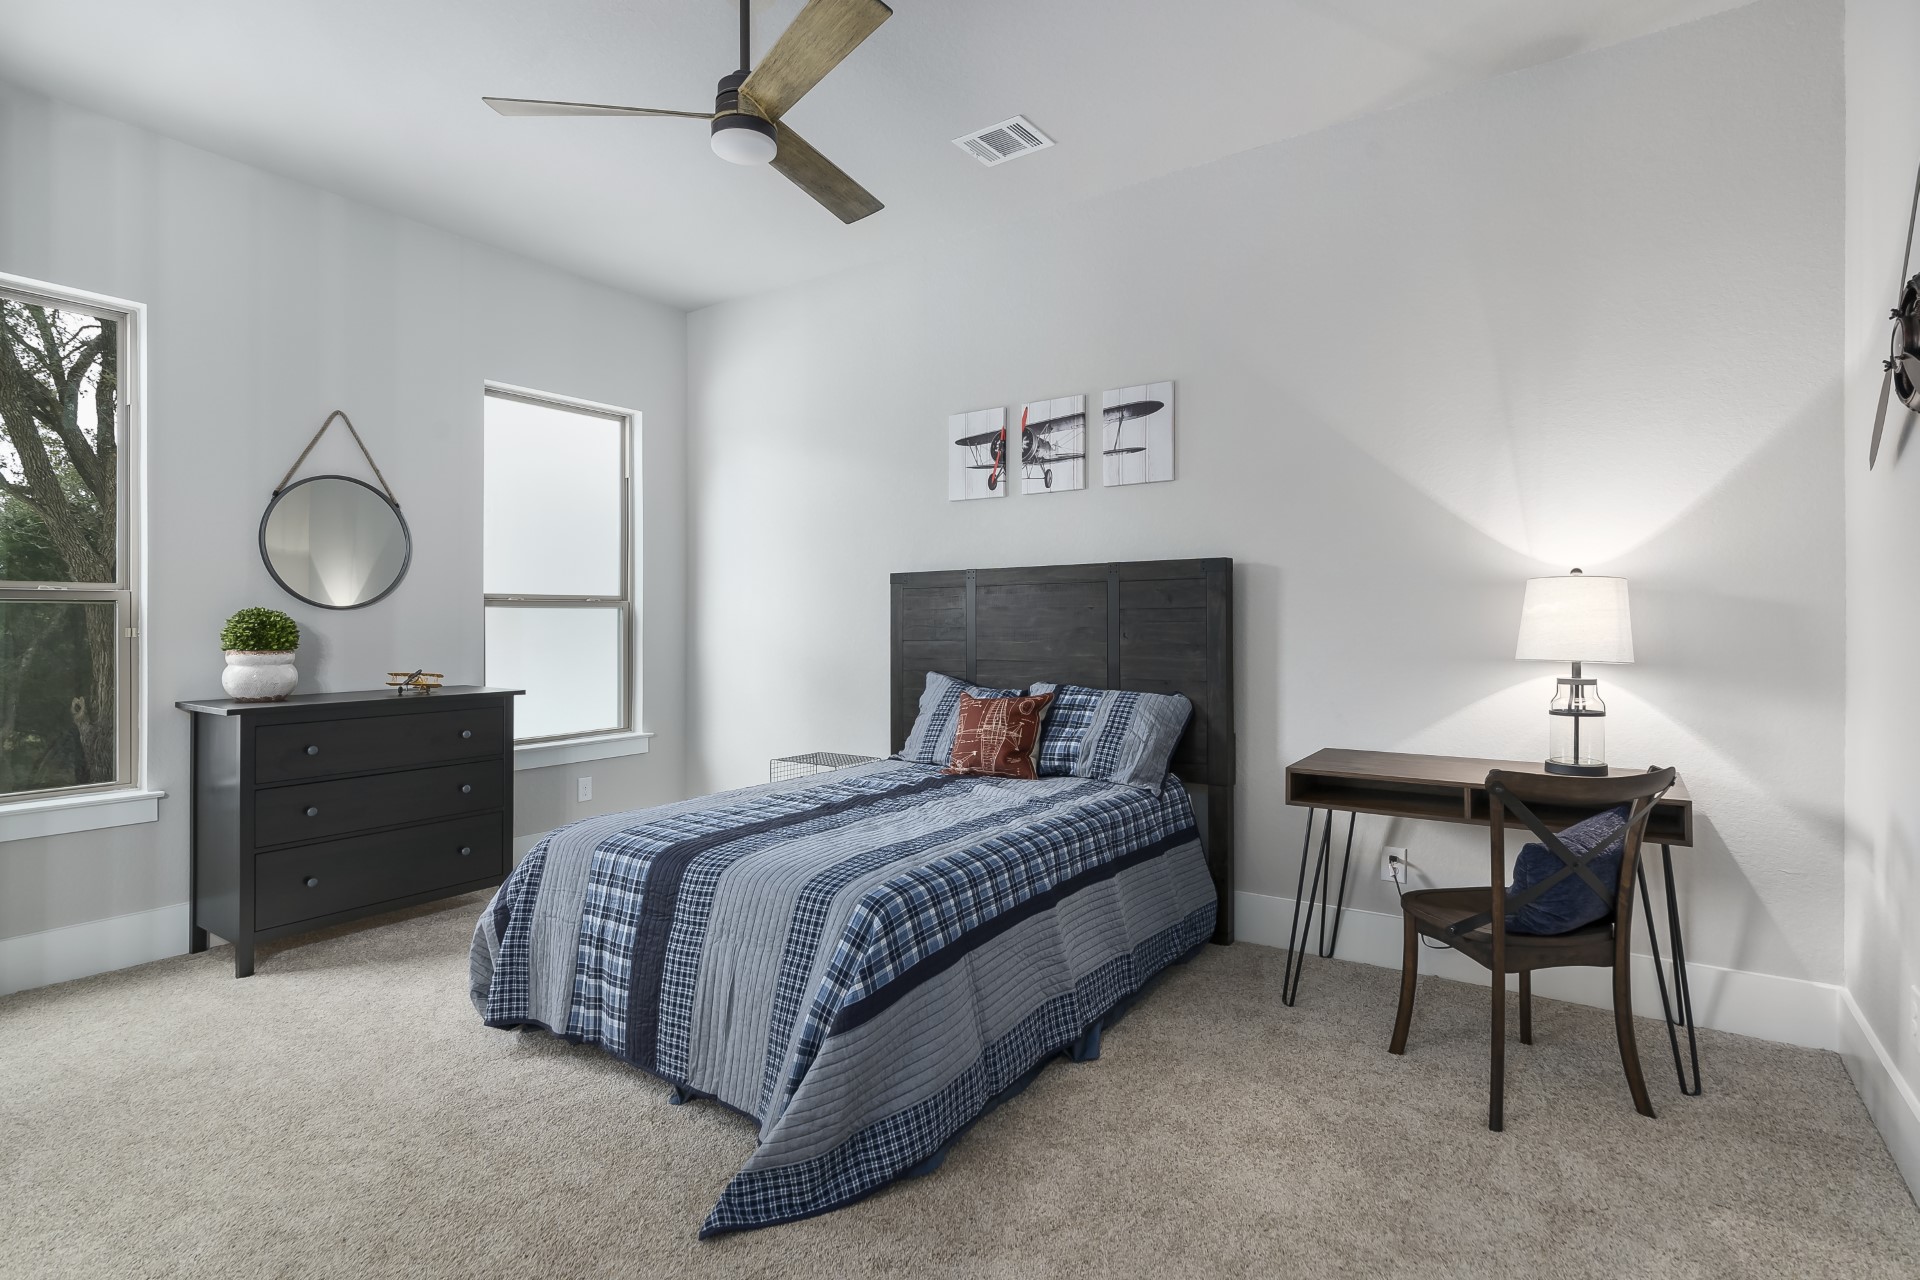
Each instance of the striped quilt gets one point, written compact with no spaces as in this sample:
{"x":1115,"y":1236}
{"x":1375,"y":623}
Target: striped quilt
{"x":860,"y":961}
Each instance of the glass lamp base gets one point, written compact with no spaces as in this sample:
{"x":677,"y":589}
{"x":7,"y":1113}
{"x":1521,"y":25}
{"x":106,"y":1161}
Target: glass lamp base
{"x":1577,"y":770}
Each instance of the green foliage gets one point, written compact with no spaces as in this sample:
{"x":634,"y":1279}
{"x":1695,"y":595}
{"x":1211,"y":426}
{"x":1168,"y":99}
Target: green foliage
{"x":260,"y":631}
{"x":45,"y":668}
{"x":59,"y":383}
{"x":27,"y":553}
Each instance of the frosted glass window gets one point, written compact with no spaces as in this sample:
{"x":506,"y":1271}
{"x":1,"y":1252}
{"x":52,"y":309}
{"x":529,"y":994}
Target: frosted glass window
{"x":555,"y":564}
{"x":554,"y":500}
{"x":567,"y":658}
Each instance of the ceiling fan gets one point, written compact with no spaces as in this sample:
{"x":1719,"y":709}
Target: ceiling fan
{"x":746,"y":114}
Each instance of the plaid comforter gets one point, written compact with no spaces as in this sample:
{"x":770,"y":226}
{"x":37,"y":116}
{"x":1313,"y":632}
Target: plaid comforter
{"x":859,"y":961}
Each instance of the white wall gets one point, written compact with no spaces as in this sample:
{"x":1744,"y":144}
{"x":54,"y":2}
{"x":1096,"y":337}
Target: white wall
{"x":271,"y":303}
{"x":1588,"y":313}
{"x":1883,"y":580}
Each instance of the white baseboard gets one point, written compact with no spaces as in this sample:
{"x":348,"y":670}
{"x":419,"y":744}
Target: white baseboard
{"x":1890,"y":1099}
{"x":118,"y":942}
{"x":1791,"y":1010}
{"x":81,"y":950}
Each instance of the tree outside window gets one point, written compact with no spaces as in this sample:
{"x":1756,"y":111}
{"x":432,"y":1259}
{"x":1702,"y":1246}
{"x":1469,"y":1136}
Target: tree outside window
{"x":63,"y":587}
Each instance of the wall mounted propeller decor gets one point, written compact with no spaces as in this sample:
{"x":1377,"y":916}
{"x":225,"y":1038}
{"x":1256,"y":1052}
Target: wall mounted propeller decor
{"x":1902,"y":365}
{"x":746,"y":126}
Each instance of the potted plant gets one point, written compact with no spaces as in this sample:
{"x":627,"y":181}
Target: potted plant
{"x":260,"y":644}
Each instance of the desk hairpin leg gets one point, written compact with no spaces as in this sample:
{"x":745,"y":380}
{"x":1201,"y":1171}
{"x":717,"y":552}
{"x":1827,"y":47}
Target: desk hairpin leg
{"x":1682,"y":989}
{"x":1301,"y":932}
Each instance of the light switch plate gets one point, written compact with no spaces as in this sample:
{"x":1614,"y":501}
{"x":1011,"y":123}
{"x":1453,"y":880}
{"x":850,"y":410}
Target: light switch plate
{"x":586,"y":789}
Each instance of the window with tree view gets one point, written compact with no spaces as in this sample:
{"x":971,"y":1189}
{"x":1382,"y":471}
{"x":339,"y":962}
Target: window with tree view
{"x":65,"y":604}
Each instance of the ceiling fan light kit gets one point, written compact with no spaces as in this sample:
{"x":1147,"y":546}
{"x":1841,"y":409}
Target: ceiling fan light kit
{"x":745,"y":123}
{"x":740,"y":137}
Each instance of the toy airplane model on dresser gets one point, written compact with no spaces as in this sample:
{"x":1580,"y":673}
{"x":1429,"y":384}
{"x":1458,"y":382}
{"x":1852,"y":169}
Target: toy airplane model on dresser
{"x":1037,"y":452}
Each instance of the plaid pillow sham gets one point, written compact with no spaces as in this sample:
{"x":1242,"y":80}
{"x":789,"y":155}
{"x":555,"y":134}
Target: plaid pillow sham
{"x":930,"y":741}
{"x":1114,"y":734}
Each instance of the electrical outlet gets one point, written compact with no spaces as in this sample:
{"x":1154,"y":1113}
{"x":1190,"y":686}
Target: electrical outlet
{"x":1913,"y":1016}
{"x":586,"y":789}
{"x":1393,"y":864}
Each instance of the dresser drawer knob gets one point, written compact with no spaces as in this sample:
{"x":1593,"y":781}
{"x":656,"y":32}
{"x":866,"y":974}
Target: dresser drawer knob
{"x":466,"y":733}
{"x":465,"y":849}
{"x":313,"y":751}
{"x":312,"y":812}
{"x":466,"y":788}
{"x":313,"y":882}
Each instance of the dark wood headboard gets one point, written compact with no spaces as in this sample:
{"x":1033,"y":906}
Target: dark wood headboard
{"x":1156,"y":626}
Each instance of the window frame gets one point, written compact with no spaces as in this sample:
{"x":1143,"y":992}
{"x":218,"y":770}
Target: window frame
{"x":626,"y":695}
{"x":129,"y":570}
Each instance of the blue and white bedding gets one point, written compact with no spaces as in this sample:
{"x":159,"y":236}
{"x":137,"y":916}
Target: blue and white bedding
{"x":860,"y":961}
{"x":1115,"y":734}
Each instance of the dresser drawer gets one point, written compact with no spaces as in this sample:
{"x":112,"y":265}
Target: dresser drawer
{"x":318,"y":810}
{"x":321,"y":748}
{"x":291,"y":885}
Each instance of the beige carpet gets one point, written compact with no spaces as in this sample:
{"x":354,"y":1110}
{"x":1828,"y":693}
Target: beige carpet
{"x":343,"y":1113}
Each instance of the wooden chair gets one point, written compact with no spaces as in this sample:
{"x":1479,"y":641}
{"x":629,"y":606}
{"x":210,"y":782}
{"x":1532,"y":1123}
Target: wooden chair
{"x":1474,"y":921}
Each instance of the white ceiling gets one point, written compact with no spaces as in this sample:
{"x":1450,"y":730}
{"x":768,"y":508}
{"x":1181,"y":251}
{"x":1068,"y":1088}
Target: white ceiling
{"x":379,"y":99}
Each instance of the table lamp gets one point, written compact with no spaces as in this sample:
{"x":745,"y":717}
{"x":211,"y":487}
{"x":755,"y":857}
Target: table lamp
{"x":1576,"y":618}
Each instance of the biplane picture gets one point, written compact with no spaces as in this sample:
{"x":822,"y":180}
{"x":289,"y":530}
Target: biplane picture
{"x":977,"y":455}
{"x":1053,"y":445}
{"x":1136,"y":434}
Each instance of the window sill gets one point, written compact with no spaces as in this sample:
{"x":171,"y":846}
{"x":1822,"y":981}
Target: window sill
{"x":605,"y":746}
{"x":64,"y":815}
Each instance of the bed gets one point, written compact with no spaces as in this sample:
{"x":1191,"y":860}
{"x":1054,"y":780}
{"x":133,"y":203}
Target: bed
{"x":866,"y":961}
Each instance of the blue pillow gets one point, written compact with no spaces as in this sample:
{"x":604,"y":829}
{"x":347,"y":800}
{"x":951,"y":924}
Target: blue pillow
{"x":1068,"y":720}
{"x":1571,"y":903}
{"x":1113,"y":734}
{"x":931,"y":739}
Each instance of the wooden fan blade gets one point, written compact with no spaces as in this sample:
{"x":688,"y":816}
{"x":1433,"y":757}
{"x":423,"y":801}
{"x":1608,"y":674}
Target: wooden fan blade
{"x":541,"y":107}
{"x":1880,"y":418}
{"x":818,"y":176}
{"x":825,"y":32}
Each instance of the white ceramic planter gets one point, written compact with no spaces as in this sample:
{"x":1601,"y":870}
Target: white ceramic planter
{"x":253,"y":676}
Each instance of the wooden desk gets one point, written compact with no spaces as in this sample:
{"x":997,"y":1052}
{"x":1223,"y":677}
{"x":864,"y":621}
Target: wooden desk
{"x":1453,"y":789}
{"x":1446,"y":789}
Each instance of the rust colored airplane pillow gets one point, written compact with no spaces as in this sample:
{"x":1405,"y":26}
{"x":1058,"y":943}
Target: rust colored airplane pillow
{"x":998,"y":737}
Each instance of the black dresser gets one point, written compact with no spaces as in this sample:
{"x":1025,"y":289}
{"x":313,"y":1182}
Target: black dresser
{"x":331,"y":806}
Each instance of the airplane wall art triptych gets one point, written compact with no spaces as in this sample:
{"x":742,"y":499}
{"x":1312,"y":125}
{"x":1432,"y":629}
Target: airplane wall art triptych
{"x":1136,"y":444}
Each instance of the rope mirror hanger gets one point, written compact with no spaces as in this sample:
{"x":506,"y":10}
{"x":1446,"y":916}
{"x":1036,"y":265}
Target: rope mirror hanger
{"x":364,"y":452}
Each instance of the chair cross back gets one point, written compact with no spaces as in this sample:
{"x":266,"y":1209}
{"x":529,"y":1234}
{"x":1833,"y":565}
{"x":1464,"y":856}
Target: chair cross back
{"x":1453,"y":915}
{"x":1573,"y":863}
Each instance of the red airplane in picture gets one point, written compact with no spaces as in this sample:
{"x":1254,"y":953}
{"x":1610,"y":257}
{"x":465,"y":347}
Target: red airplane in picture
{"x":1037,"y":451}
{"x":987,"y":449}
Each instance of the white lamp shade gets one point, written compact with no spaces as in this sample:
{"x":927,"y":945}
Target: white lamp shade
{"x":1576,"y":617}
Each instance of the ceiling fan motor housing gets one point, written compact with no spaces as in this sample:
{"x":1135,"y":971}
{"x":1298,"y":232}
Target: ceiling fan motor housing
{"x":738,"y":134}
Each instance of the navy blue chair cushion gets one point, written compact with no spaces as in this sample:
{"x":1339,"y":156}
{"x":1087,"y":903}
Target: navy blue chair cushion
{"x":1571,"y":903}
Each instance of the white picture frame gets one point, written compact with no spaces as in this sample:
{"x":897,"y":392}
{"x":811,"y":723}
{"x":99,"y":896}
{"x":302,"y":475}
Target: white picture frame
{"x":977,"y":455}
{"x":1136,"y":434}
{"x":1053,"y":445}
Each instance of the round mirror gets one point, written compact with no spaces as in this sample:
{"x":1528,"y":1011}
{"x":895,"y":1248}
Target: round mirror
{"x":335,"y":541}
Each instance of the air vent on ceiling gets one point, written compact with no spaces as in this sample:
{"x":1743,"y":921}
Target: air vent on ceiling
{"x":999,"y":143}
